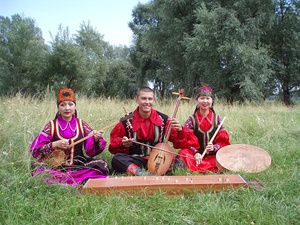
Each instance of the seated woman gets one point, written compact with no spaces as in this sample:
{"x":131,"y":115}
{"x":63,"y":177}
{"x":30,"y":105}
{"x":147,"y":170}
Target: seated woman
{"x":204,"y":123}
{"x":58,"y":136}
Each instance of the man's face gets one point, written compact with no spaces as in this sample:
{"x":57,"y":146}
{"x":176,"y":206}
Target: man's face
{"x":145,"y":100}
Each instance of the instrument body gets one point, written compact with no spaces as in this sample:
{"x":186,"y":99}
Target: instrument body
{"x":242,"y":157}
{"x":55,"y":158}
{"x":171,"y":185}
{"x":160,"y":161}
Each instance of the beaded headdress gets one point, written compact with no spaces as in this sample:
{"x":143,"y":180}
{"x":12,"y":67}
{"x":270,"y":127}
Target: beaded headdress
{"x":203,"y":89}
{"x":66,"y":94}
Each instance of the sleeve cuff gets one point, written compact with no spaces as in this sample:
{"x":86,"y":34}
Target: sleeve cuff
{"x":194,"y":151}
{"x":46,"y":149}
{"x":181,"y":134}
{"x":216,"y":147}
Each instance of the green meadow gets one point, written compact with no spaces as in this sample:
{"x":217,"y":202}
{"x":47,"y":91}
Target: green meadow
{"x":28,"y":200}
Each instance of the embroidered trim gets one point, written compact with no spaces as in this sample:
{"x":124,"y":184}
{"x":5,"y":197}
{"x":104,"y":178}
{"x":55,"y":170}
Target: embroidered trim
{"x":79,"y":126}
{"x":46,"y":149}
{"x":194,"y":151}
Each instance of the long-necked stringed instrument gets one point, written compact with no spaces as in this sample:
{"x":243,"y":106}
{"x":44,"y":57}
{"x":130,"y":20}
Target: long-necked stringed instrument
{"x":162,"y":155}
{"x":58,"y":156}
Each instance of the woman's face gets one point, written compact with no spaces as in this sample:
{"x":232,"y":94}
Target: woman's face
{"x":66,"y":109}
{"x":204,"y":102}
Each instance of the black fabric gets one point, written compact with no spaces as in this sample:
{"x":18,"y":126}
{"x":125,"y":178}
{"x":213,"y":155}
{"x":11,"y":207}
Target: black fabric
{"x":202,"y":138}
{"x":121,"y":161}
{"x":81,"y":162}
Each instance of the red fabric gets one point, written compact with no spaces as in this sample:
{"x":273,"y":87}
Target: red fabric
{"x":139,"y":121}
{"x":131,"y":170}
{"x":205,"y":121}
{"x":208,"y":164}
{"x":116,"y":136}
{"x":145,"y":131}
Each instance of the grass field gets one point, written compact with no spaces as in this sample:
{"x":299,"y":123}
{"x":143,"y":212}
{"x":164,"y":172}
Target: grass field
{"x":28,"y":200}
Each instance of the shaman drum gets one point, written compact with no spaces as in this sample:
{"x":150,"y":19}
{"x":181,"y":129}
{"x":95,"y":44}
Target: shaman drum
{"x":242,"y":157}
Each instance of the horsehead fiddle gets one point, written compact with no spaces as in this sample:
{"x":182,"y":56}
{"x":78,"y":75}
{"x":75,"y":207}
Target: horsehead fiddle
{"x":162,"y":155}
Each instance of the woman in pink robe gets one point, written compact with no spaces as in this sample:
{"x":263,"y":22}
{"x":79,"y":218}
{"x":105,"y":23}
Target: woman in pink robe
{"x":59,"y":133}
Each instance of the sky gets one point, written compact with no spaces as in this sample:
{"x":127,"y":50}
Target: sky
{"x":108,"y":17}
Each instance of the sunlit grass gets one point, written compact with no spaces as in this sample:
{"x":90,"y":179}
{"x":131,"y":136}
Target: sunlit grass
{"x":28,"y":200}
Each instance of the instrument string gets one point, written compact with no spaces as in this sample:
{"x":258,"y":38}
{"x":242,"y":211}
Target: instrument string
{"x":174,"y":153}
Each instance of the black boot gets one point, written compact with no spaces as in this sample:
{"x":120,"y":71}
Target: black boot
{"x":178,"y":164}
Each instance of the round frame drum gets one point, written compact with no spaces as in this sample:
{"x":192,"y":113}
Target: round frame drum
{"x":242,"y":157}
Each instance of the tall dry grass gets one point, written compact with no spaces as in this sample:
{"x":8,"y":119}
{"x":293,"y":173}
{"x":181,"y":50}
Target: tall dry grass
{"x":28,"y":200}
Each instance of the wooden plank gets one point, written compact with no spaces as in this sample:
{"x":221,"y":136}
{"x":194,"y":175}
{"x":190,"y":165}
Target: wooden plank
{"x":171,"y":185}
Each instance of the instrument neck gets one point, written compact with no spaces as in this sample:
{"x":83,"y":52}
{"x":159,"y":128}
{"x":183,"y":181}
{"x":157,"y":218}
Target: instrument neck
{"x":168,"y":133}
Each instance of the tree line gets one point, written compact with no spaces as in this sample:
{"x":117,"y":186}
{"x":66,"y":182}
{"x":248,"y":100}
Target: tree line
{"x":247,"y":50}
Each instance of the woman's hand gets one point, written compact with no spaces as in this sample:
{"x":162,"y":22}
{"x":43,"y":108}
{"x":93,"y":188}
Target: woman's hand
{"x":62,"y":144}
{"x":98,"y":134}
{"x":198,"y":158}
{"x":209,"y":148}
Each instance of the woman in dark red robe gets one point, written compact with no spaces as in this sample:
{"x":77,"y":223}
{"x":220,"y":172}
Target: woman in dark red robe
{"x":204,"y":123}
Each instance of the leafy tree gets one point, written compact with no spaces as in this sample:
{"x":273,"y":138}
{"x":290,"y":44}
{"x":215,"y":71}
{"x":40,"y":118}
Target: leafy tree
{"x":284,"y":40}
{"x":181,"y":43}
{"x":121,"y":81}
{"x":142,"y":18}
{"x":22,"y":55}
{"x":159,"y":28}
{"x":225,"y":50}
{"x":95,"y":50}
{"x":67,"y":63}
{"x":110,"y":72}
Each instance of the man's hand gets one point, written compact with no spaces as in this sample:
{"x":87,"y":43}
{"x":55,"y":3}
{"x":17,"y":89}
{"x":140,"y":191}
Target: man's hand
{"x":126,"y":142}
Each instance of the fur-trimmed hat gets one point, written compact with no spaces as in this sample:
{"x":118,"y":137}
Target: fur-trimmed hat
{"x":66,"y":94}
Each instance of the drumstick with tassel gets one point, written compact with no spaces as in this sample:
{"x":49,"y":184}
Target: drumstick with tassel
{"x":213,"y":137}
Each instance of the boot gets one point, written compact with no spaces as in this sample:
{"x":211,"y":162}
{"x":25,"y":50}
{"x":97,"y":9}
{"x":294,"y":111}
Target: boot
{"x":132,"y":169}
{"x":178,"y":164}
{"x":137,"y":171}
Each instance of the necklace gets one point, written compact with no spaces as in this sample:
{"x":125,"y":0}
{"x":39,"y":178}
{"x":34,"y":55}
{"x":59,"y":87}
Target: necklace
{"x":67,"y":125}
